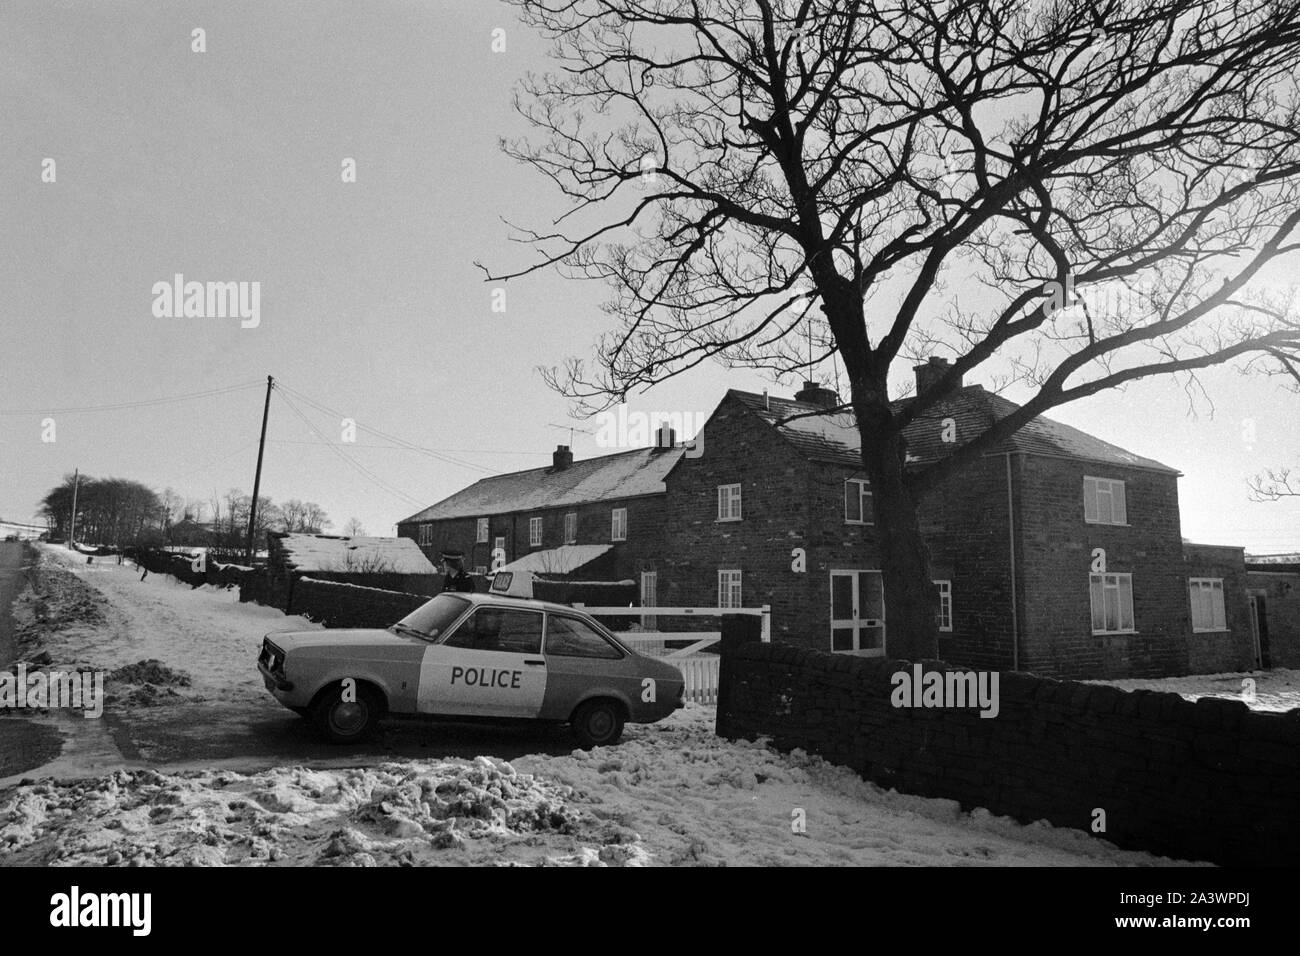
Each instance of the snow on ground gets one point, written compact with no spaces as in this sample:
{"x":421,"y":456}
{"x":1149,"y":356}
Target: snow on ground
{"x":671,"y":794}
{"x":204,"y":632}
{"x":1274,"y":690}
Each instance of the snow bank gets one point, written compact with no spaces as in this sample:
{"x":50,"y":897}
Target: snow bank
{"x":671,"y":794}
{"x":1273,"y":690}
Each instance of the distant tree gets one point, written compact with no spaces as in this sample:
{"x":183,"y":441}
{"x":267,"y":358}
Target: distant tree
{"x":353,"y":528}
{"x":110,"y":511}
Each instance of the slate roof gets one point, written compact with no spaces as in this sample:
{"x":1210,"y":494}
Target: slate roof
{"x":562,"y":560}
{"x":325,"y":552}
{"x":834,"y":438}
{"x":627,"y":474}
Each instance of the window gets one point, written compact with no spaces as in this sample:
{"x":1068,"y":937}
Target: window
{"x":504,"y":629}
{"x":729,"y":589}
{"x":482,"y":536}
{"x":1207,"y":604}
{"x":1103,"y":501}
{"x":424,"y":534}
{"x":618,"y":525}
{"x":858,"y":507}
{"x":571,"y":528}
{"x":728,"y":502}
{"x":1112,"y":603}
{"x":534,"y":532}
{"x":499,"y":551}
{"x":570,"y":637}
{"x":945,"y":605}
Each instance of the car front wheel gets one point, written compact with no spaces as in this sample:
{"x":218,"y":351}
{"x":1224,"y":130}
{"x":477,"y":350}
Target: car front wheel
{"x":347,"y":721}
{"x":597,"y":723}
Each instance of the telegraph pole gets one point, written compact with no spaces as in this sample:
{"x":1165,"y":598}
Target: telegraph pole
{"x":72,"y":530}
{"x":257,"y":478}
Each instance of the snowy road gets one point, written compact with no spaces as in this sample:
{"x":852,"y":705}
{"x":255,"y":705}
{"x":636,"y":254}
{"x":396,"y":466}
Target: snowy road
{"x":225,"y":717}
{"x":220,"y":774}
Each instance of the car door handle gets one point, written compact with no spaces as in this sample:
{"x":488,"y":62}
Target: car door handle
{"x":536,"y":663}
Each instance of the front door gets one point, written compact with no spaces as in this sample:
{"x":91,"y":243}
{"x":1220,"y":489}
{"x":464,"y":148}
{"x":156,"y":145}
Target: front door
{"x":490,"y":666}
{"x":858,"y":613}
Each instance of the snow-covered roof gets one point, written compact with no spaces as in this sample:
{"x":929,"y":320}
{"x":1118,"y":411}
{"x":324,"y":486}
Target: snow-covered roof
{"x":327,"y":552}
{"x":833,"y":437}
{"x":562,"y":560}
{"x":628,"y":474}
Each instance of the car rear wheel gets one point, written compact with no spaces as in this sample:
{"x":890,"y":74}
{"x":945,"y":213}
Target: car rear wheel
{"x":597,"y":723}
{"x":347,"y":721}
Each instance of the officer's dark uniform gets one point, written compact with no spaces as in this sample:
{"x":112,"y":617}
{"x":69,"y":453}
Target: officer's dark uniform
{"x":456,"y":579}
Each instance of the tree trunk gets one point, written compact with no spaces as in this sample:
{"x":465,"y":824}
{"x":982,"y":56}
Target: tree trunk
{"x":911,"y":599}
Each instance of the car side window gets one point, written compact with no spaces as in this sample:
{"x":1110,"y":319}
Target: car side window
{"x":505,"y":629}
{"x":570,"y":637}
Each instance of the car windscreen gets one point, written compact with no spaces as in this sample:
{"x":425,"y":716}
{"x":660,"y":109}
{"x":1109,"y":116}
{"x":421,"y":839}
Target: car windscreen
{"x":433,"y":618}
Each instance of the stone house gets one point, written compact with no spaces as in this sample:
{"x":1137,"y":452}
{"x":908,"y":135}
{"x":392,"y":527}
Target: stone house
{"x":1054,"y":552}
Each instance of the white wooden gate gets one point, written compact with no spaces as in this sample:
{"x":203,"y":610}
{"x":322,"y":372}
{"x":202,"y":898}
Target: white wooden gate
{"x":699,"y":669}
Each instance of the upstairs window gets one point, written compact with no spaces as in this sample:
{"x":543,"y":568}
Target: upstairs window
{"x":1207,"y":604}
{"x":858,"y":503}
{"x":729,"y":502}
{"x":571,"y":528}
{"x":482,"y":536}
{"x":534,"y":532}
{"x":1103,"y":501}
{"x":618,"y":525}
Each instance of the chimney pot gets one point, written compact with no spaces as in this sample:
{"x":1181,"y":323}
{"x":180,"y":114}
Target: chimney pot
{"x":814,"y":394}
{"x":927,"y":374}
{"x":562,"y":458}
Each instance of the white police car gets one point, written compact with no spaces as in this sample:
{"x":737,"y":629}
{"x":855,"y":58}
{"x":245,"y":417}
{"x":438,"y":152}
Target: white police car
{"x":472,"y":655}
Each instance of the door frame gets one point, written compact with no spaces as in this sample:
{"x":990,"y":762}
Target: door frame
{"x":857,"y":622}
{"x":648,"y":622}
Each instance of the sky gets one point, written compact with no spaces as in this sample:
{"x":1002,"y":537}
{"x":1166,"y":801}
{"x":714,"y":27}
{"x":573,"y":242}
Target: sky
{"x":227,"y":166}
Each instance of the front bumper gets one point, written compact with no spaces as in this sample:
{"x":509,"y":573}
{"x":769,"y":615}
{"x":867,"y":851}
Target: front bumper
{"x":272,"y":681}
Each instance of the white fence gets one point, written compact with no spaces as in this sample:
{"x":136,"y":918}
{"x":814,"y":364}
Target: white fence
{"x":700,"y":670}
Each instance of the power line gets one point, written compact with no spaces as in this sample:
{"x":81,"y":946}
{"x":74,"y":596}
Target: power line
{"x":479,"y":451}
{"x":391,"y":489}
{"x":433,"y":453}
{"x":143,"y":403}
{"x":212,"y":464}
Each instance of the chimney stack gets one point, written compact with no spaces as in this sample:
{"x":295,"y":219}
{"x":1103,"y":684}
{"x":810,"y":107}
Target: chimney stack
{"x":665,"y":437}
{"x":929,"y":373}
{"x":814,"y":394}
{"x":562,"y":458}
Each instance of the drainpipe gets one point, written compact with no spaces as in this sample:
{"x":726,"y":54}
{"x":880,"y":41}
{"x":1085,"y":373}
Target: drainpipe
{"x":1011,"y":543}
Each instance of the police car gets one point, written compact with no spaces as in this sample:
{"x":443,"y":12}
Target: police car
{"x":471,"y":656}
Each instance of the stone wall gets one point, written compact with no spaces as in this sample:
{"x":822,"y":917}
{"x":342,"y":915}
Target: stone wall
{"x":350,"y":605}
{"x":1210,"y":780}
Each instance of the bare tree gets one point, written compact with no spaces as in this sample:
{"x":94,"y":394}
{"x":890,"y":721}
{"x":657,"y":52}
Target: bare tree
{"x":1274,"y":484}
{"x":353,"y":528}
{"x":888,"y":181}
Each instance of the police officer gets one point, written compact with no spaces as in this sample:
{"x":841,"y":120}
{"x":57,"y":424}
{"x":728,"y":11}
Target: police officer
{"x":453,"y":571}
